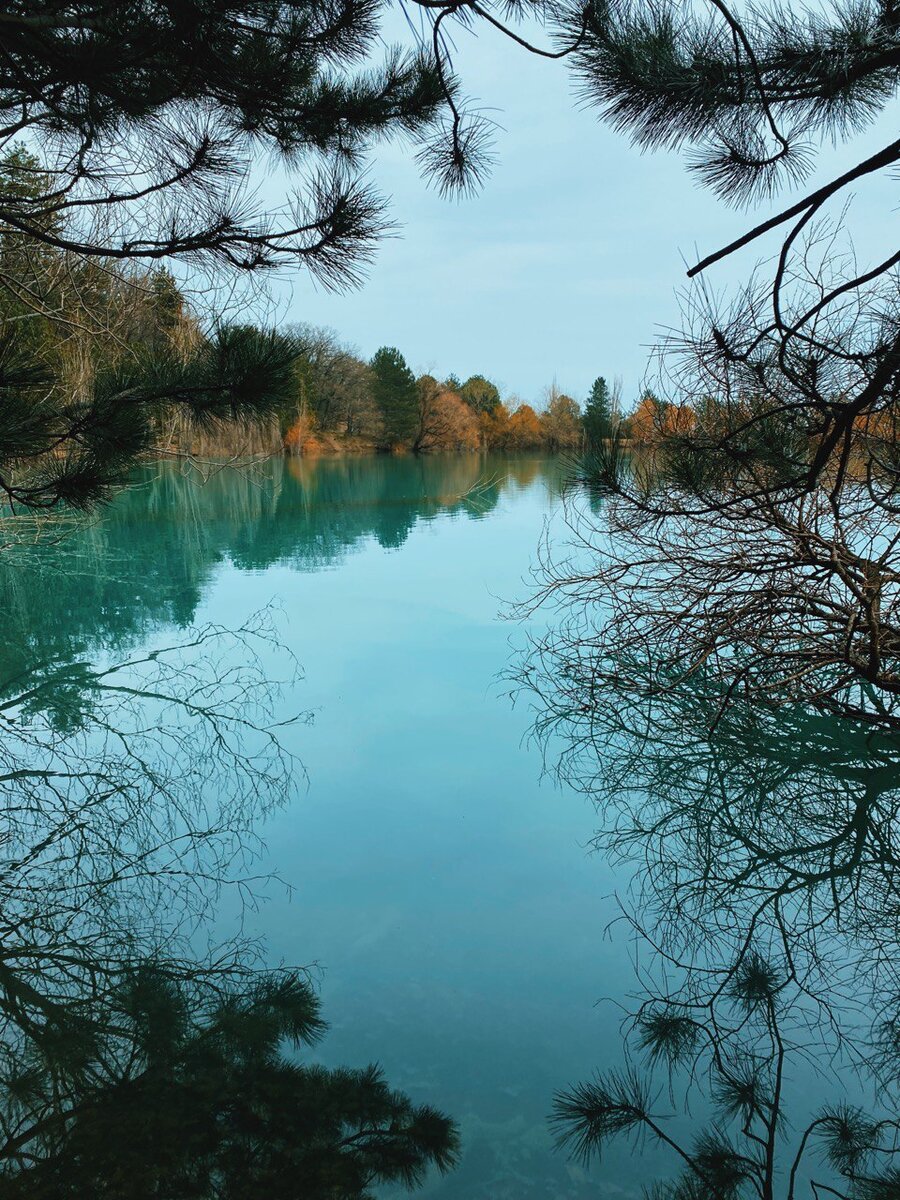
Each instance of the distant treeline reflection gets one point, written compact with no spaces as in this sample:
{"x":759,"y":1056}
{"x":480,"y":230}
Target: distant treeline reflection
{"x":147,"y":560}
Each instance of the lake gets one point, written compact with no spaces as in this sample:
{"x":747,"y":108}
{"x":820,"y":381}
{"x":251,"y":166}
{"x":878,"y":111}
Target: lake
{"x":419,"y":859}
{"x":442,"y":891}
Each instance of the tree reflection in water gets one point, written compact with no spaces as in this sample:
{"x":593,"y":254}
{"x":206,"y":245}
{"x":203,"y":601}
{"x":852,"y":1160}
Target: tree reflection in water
{"x":145,"y":566}
{"x":137,"y":1057}
{"x":134,"y":791}
{"x":129,"y":1065}
{"x":765,"y":906}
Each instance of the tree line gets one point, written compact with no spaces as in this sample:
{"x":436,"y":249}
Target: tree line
{"x":81,"y":332}
{"x":344,"y":400}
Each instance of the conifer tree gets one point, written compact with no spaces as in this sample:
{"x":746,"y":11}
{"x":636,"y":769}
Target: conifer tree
{"x":749,"y":95}
{"x":598,"y":417}
{"x":62,"y":448}
{"x":148,"y":118}
{"x":395,"y":393}
{"x":193,"y":1092}
{"x":147,"y":121}
{"x":68,"y":433}
{"x":741,"y":1045}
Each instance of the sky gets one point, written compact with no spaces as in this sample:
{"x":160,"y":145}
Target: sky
{"x":570,"y":261}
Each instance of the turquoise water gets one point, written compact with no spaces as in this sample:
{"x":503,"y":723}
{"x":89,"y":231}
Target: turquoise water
{"x":440,"y":885}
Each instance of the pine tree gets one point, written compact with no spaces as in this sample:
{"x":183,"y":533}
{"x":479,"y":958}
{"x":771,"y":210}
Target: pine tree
{"x":598,"y":415}
{"x":395,"y":393}
{"x":147,"y":118}
{"x":89,"y":370}
{"x":143,"y":122}
{"x":65,"y":446}
{"x":198,"y":1095}
{"x":750,"y":96}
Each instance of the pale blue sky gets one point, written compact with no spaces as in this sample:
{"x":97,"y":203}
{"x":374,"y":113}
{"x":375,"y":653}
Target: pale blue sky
{"x":566,"y":266}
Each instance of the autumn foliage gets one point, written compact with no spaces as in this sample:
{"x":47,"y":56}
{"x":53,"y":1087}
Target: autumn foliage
{"x":654,"y":420}
{"x":345,"y":404}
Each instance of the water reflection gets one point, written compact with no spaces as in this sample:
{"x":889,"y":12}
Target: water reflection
{"x":179,"y":1090}
{"x":133,"y":1063}
{"x":765,"y":918}
{"x":450,"y":901}
{"x":765,"y":903}
{"x":139,"y":1057}
{"x":760,"y":815}
{"x":461,"y":927}
{"x":146,"y":563}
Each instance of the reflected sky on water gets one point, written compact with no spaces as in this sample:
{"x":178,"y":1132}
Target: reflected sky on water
{"x":438,"y":885}
{"x":442,"y":891}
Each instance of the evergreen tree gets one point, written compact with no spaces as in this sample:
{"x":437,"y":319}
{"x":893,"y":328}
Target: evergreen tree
{"x":480,"y":393}
{"x":750,"y":95}
{"x":598,"y":415}
{"x":191,"y":1096}
{"x":395,"y":392}
{"x":90,"y":369}
{"x":741,"y":1046}
{"x":70,"y":446}
{"x":147,"y":118}
{"x":24,"y":265}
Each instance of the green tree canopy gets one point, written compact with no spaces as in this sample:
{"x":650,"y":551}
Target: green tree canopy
{"x":480,"y":393}
{"x":598,"y":413}
{"x":395,"y":392}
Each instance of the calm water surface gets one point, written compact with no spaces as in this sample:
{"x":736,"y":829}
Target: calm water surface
{"x":442,"y":890}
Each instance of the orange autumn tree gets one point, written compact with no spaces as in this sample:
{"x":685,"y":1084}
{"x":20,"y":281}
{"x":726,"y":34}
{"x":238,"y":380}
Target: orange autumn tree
{"x":524,"y":431}
{"x":646,"y":422}
{"x":654,"y":419}
{"x":445,"y":420}
{"x":494,"y":427}
{"x":561,"y":421}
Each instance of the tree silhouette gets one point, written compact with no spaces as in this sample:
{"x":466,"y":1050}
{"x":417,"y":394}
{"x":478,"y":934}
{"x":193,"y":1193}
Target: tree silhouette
{"x":758,"y":813}
{"x":199,"y":1092}
{"x":739,"y":1038}
{"x":749,"y":96}
{"x":59,"y":448}
{"x":131,"y":1062}
{"x":149,"y":119}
